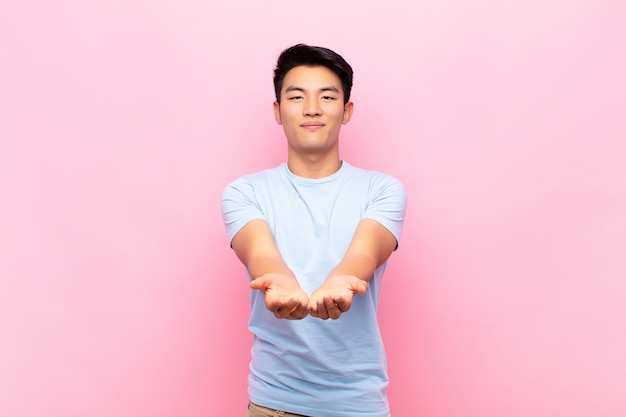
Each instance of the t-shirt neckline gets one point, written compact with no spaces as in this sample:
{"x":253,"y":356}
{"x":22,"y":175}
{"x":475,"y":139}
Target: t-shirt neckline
{"x":303,"y":180}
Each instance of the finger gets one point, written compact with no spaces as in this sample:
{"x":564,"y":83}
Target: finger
{"x":322,"y":313}
{"x":291,"y":303}
{"x":288,"y":307}
{"x":299,"y":312}
{"x":282,"y":312}
{"x":312,"y":308}
{"x":276,"y":306}
{"x":331,"y":308}
{"x":343,"y":303}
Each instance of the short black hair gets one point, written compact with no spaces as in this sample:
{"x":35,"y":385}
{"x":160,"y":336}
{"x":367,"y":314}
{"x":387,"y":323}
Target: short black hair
{"x":312,"y":56}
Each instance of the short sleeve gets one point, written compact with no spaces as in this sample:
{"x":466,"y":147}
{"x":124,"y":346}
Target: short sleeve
{"x":387,"y":205}
{"x":239,"y":206}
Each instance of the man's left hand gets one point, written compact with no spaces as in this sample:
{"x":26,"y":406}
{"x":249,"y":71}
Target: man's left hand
{"x":334,"y":296}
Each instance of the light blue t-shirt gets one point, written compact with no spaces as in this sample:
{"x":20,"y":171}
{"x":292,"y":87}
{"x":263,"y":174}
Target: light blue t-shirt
{"x":332,"y":368}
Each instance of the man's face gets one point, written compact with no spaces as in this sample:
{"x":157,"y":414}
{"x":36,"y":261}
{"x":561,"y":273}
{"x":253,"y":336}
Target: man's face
{"x":311,"y":109}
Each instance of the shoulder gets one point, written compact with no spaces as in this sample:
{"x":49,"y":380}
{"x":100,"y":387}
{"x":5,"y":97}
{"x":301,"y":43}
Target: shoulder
{"x":375,"y":179}
{"x":249,"y":182}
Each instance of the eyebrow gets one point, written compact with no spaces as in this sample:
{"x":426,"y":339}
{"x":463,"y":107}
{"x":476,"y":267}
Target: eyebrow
{"x":296,"y":88}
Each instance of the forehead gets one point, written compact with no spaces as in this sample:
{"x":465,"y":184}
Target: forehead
{"x":311,"y":77}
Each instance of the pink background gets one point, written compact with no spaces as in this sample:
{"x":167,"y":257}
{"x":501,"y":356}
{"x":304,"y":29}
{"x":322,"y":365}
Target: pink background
{"x":121,"y":122}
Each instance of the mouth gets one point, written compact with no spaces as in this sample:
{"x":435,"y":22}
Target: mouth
{"x":312,"y":125}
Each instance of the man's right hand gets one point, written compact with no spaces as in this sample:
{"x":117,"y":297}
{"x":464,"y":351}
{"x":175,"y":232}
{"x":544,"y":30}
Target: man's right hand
{"x":283,"y":296}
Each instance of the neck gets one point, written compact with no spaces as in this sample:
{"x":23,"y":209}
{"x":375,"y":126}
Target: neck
{"x":313,"y":166}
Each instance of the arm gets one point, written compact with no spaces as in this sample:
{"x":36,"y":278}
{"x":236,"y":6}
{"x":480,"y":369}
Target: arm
{"x":370,"y":247}
{"x":256,"y":249}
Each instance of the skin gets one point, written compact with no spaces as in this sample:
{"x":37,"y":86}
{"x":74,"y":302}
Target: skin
{"x":312,"y":111}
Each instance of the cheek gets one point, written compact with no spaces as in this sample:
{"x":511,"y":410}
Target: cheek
{"x":340,"y":116}
{"x":289,"y":115}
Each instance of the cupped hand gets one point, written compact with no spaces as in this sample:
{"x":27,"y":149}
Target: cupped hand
{"x":283,"y":296}
{"x":334,"y":296}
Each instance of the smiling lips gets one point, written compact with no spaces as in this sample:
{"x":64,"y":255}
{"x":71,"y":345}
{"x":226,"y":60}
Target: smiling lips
{"x":312,"y":125}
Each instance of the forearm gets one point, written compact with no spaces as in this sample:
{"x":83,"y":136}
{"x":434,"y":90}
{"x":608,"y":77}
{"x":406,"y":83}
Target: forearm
{"x":262,"y":265}
{"x":360,"y":266}
{"x":371,"y":246}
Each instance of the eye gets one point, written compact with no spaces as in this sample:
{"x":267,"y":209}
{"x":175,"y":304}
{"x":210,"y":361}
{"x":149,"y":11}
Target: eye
{"x":328,"y":98}
{"x":293,"y":98}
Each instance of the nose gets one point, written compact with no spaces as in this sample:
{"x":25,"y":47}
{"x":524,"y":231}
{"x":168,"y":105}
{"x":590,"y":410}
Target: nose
{"x":312,"y":108}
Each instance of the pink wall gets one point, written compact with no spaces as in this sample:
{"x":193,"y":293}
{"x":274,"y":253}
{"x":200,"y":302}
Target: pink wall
{"x":120,"y":123}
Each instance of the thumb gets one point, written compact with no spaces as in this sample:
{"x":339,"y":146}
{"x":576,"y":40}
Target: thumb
{"x":259,"y":283}
{"x":359,"y":286}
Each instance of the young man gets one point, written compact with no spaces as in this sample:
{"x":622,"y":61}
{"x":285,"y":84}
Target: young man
{"x":314,"y":234}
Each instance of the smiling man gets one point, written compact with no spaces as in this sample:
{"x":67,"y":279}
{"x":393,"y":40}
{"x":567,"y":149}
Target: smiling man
{"x":314,"y":235}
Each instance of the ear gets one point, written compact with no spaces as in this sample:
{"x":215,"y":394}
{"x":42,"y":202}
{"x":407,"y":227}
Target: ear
{"x":347,"y":112}
{"x":277,"y":113}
